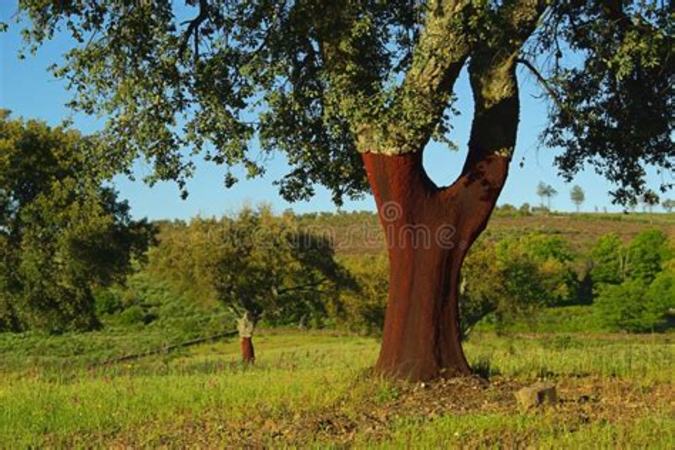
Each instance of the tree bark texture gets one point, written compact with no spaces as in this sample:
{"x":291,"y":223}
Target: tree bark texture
{"x":247,"y":351}
{"x":245,"y":327}
{"x":429,"y":230}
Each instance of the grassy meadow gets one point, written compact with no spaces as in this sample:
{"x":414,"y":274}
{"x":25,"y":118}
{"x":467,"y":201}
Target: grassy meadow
{"x":314,"y":389}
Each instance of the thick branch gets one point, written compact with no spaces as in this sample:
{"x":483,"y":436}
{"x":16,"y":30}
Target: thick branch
{"x":521,"y":18}
{"x":441,"y":51}
{"x":493,"y":131}
{"x":193,"y":29}
{"x":494,"y":83}
{"x":495,"y":120}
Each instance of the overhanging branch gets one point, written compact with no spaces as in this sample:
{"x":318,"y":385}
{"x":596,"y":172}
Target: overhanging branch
{"x":303,"y":287}
{"x":193,"y":29}
{"x":542,"y":81}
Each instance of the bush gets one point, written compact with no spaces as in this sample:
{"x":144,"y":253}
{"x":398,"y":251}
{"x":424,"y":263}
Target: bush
{"x":621,"y":306}
{"x":642,"y":259}
{"x":608,"y":260}
{"x":8,"y":318}
{"x":514,"y":278}
{"x":363,"y":311}
{"x":108,"y":301}
{"x":636,"y":307}
{"x":646,"y":254}
{"x":136,"y":315}
{"x":661,"y":299}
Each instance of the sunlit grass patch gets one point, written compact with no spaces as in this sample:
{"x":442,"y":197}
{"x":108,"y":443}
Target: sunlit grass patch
{"x":315,"y":389}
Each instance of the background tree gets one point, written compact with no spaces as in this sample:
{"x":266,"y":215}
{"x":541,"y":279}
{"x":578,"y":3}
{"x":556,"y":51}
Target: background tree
{"x":646,"y":254}
{"x":259,"y":266}
{"x":633,"y":283}
{"x":363,"y":310}
{"x":339,"y":86}
{"x":578,"y":196}
{"x":62,"y":232}
{"x":546,"y":191}
{"x":649,"y":199}
{"x":638,"y":307}
{"x":514,"y":278}
{"x":668,"y":205}
{"x":609,"y":260}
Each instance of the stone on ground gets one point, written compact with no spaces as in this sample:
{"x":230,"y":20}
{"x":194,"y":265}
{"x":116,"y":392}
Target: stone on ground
{"x":537,"y":395}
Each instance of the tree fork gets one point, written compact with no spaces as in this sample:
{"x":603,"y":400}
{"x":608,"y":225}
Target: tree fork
{"x":430,"y":229}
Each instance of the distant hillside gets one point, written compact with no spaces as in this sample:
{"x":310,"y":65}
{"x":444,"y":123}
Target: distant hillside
{"x":360,"y":232}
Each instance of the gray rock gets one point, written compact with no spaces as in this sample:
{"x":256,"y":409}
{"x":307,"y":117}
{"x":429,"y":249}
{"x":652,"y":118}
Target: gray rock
{"x":536,"y":395}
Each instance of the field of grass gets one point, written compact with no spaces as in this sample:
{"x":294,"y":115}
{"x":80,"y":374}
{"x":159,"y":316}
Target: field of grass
{"x":314,"y":389}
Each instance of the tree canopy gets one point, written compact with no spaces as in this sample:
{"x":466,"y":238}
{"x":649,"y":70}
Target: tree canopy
{"x":62,"y":232}
{"x":546,"y":191}
{"x":577,"y":196}
{"x":253,"y":263}
{"x":322,"y":81}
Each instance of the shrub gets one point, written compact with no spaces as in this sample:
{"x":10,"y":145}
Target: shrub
{"x":514,"y":278}
{"x":363,"y":310}
{"x":608,"y":260}
{"x":646,"y":254}
{"x":133,"y":315}
{"x":636,"y":307}
{"x":108,"y":301}
{"x":661,"y":298}
{"x":8,"y":318}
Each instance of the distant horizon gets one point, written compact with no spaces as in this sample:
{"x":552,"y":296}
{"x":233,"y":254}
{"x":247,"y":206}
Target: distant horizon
{"x":657,"y":210}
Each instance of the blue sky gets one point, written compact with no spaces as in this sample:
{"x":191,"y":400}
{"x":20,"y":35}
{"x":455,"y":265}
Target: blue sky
{"x":29,"y":90}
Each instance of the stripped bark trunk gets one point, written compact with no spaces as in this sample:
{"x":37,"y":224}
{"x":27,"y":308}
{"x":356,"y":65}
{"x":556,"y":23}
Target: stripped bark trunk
{"x":247,"y":351}
{"x":428,"y":231}
{"x":245,"y":327}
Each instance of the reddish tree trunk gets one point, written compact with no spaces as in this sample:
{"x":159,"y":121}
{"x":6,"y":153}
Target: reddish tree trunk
{"x":428,"y":231}
{"x":247,"y":352}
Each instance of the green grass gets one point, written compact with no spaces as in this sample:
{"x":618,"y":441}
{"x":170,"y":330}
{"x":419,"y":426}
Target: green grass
{"x":647,"y":358}
{"x":313,"y":389}
{"x":519,"y":430}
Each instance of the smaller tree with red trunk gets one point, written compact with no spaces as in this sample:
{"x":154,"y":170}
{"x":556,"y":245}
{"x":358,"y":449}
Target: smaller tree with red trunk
{"x":266,"y":268}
